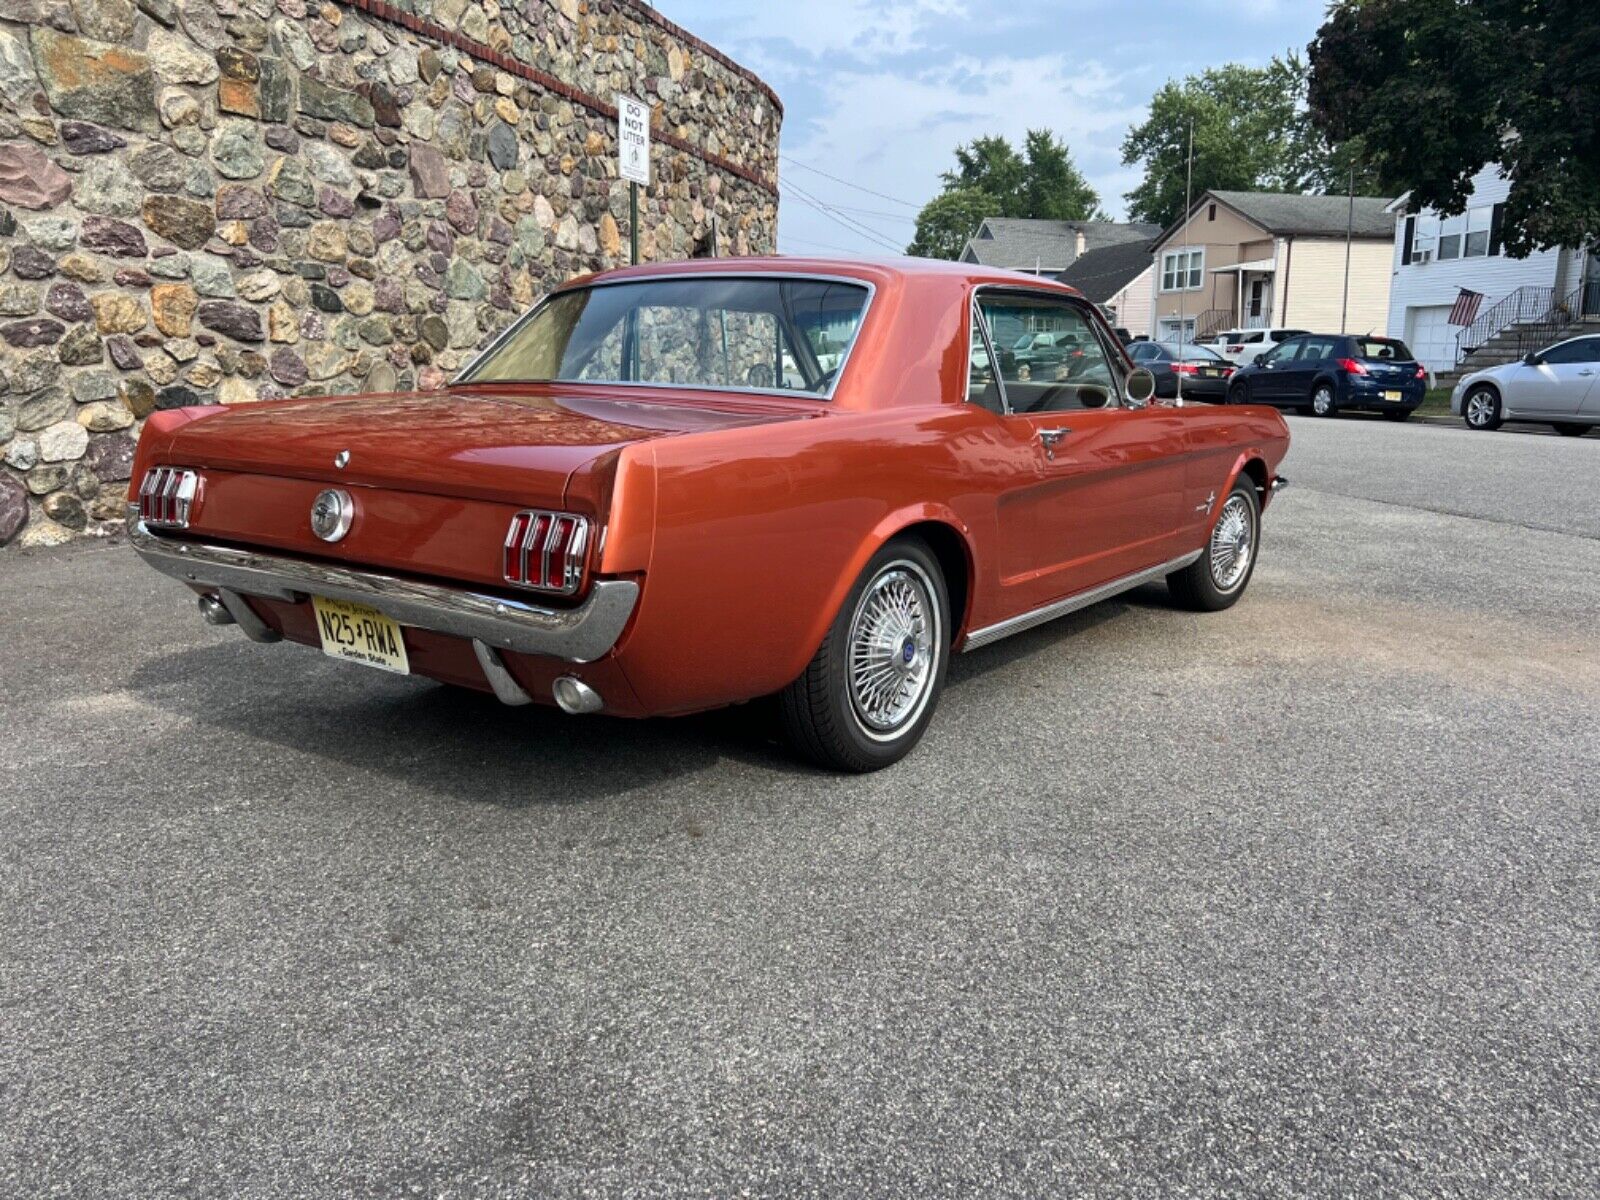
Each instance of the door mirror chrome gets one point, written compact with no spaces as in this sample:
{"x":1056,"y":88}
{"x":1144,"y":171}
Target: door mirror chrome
{"x":1141,"y":386}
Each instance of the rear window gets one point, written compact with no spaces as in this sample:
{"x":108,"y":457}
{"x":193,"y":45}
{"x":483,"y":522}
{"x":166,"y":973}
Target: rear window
{"x":758,"y":333}
{"x":1383,"y":348}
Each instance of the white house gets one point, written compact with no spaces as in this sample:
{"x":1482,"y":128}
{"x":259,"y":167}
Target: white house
{"x":1436,"y":257}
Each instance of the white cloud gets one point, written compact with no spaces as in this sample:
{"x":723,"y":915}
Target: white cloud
{"x":862,"y":28}
{"x":895,"y":132}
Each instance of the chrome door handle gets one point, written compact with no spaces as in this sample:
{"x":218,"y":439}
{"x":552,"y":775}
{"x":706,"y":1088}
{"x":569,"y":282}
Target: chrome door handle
{"x":1049,"y":437}
{"x":1585,"y":372}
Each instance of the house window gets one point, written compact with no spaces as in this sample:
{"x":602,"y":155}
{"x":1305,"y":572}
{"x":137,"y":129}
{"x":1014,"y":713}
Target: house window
{"x":1424,"y":240}
{"x":1451,"y":230}
{"x":1477,"y":245}
{"x":1181,"y":270}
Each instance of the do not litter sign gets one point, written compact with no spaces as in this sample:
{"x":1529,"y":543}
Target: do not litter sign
{"x":633,"y":140}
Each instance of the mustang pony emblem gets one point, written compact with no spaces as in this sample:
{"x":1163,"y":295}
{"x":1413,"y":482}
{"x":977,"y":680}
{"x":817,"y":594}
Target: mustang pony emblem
{"x":331,"y":514}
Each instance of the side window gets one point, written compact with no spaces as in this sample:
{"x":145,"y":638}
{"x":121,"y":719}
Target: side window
{"x":1284,"y":352}
{"x":1068,"y":369}
{"x":1583,"y":350}
{"x":1252,"y":339}
{"x":983,"y":387}
{"x":1315,"y":350}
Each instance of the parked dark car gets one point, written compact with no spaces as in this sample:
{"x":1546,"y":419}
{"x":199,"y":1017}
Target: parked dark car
{"x":1205,"y":373}
{"x":1326,"y":373}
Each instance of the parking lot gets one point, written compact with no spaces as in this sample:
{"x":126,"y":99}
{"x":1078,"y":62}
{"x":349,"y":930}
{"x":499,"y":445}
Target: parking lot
{"x":1297,"y":899}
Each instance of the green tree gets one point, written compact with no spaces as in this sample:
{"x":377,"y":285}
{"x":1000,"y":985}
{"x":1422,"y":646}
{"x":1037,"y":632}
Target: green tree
{"x":1436,"y":90}
{"x":1252,"y":133}
{"x":947,"y":221}
{"x":993,"y":179}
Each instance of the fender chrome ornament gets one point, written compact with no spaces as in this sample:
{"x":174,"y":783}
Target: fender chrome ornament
{"x":341,"y":459}
{"x":331,"y":514}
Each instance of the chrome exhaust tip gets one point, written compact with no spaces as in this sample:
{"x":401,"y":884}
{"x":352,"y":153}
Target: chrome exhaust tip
{"x":575,"y":696}
{"x":214,"y":611}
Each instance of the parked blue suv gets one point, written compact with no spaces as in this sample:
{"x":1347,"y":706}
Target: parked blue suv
{"x":1325,"y":373}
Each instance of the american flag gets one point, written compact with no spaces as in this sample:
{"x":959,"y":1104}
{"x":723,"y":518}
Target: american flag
{"x":1465,"y":310}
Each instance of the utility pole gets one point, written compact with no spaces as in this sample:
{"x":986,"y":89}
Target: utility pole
{"x":1183,"y":282}
{"x":1349,"y":229}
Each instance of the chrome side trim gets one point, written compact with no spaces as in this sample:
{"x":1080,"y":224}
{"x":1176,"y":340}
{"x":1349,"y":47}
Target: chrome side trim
{"x":506,"y":689}
{"x":580,"y":634}
{"x":979,"y":638}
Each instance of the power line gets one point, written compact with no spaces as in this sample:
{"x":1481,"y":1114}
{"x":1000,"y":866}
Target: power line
{"x":787,"y":238}
{"x":869,"y":219}
{"x":880,"y":195}
{"x":849,"y":223}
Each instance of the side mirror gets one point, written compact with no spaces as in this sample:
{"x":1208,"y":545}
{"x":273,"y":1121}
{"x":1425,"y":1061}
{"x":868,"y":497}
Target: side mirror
{"x":1141,"y":386}
{"x":1260,"y":360}
{"x":1531,"y":359}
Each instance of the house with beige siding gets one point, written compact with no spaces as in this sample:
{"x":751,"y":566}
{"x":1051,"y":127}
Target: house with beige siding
{"x":1247,"y":260}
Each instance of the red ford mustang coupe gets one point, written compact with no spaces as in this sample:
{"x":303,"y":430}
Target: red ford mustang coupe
{"x":675,"y":487}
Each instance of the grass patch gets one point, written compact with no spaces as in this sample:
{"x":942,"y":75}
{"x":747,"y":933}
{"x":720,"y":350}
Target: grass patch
{"x":1436,"y":403}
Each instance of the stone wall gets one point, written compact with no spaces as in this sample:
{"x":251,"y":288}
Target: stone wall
{"x":222,"y":201}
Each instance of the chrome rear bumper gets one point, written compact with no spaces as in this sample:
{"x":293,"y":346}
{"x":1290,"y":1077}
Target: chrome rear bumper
{"x":579,"y":635}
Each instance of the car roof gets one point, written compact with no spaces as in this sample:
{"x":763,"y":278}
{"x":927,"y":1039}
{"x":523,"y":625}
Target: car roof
{"x":877,"y":271}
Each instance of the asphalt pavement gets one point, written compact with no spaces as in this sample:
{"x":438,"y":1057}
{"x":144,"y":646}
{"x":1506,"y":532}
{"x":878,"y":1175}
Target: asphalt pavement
{"x":1298,"y":899}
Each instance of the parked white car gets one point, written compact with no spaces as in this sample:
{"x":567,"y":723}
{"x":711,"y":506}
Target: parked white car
{"x":1240,"y":346}
{"x":1559,"y":385}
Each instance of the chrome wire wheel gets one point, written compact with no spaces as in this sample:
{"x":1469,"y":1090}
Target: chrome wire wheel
{"x":895,"y":637}
{"x":1232,"y":543}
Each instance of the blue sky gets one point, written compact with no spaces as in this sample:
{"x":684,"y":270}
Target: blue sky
{"x":879,"y":92}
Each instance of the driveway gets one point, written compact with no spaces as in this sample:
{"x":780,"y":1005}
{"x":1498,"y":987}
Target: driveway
{"x":1293,"y":900}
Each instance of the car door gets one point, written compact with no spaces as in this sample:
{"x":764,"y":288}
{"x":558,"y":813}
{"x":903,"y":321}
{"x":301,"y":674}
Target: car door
{"x":1314,"y":358}
{"x":1097,"y":484}
{"x":1559,"y":384}
{"x":1275,"y":377}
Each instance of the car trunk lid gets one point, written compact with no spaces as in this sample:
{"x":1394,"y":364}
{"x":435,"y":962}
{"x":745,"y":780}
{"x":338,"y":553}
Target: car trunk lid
{"x":516,"y":444}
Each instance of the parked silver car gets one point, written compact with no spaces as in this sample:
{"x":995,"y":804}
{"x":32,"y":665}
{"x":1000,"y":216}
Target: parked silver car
{"x":1559,"y":385}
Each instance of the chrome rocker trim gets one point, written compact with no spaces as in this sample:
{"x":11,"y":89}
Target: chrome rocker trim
{"x":989,"y":634}
{"x":579,"y":635}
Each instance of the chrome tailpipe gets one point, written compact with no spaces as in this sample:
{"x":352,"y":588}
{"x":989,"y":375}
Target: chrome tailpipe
{"x":214,"y":611}
{"x":576,"y":697}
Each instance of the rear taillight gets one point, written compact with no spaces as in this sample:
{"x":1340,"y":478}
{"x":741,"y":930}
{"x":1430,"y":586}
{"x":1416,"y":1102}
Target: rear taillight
{"x":1422,"y":371}
{"x":546,"y":550}
{"x":1352,"y":367}
{"x":1235,"y":349}
{"x":167,"y":497}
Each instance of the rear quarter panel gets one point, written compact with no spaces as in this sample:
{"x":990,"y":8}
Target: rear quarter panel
{"x":757,"y":539}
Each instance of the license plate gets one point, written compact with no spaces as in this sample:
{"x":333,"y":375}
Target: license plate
{"x":356,"y":633}
{"x":1211,"y":374}
{"x":1394,"y":396}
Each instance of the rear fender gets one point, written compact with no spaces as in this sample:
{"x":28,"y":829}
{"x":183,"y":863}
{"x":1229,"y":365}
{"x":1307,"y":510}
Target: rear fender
{"x":877,"y":538}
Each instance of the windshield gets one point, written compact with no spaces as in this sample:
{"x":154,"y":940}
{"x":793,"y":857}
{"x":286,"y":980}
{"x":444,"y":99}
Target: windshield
{"x":765,"y":332}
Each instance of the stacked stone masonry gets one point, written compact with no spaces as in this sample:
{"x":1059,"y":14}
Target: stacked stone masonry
{"x":224,"y":201}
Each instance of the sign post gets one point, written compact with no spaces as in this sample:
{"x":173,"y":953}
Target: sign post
{"x":633,"y":160}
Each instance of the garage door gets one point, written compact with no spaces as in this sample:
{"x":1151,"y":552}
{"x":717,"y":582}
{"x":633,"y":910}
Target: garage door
{"x":1431,"y":336}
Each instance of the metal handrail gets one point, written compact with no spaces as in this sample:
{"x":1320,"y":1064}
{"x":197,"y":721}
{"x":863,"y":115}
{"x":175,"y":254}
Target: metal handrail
{"x":1536,"y":314}
{"x":1212,"y":322}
